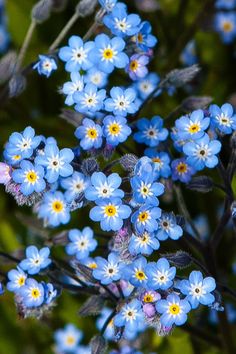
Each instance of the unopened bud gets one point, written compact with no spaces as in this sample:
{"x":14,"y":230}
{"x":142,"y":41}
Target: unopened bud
{"x":86,"y":7}
{"x":128,"y":161}
{"x":59,"y":5}
{"x":42,"y":11}
{"x":203,"y":184}
{"x":7,"y":65}
{"x":72,"y":117}
{"x":98,"y":345}
{"x":233,"y":210}
{"x":17,"y":85}
{"x":180,"y":259}
{"x":179,"y":77}
{"x":89,"y":166}
{"x":194,"y":102}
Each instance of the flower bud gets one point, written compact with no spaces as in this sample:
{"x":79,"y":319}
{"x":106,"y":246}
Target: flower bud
{"x":149,"y":310}
{"x":41,"y":11}
{"x":98,"y":345}
{"x":203,"y":184}
{"x":180,"y":259}
{"x":17,"y":85}
{"x":128,"y":161}
{"x":194,"y":102}
{"x":7,"y":65}
{"x":59,"y":5}
{"x":4,"y":173}
{"x":72,"y":117}
{"x":86,"y":7}
{"x":179,"y":77}
{"x":89,"y":166}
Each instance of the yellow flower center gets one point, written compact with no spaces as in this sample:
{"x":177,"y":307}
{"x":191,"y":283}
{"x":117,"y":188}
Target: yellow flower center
{"x":143,"y":216}
{"x":108,"y":54}
{"x":156,"y":159}
{"x":114,"y":129}
{"x":110,"y":210}
{"x":21,"y":281}
{"x":227,"y":26}
{"x":194,"y":128}
{"x":57,"y":206}
{"x":140,"y":275}
{"x":35,"y":293}
{"x":148,"y":298}
{"x":92,"y":265}
{"x":182,"y":167}
{"x":16,"y":157}
{"x":31,"y":177}
{"x":70,"y":340}
{"x":133,"y":65}
{"x":174,"y":309}
{"x":92,"y":133}
{"x":140,"y":38}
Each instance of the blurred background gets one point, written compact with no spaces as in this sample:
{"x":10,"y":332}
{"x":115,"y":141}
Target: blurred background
{"x":187,"y":33}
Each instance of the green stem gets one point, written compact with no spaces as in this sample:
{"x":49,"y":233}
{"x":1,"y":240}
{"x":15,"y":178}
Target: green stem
{"x":25,"y":45}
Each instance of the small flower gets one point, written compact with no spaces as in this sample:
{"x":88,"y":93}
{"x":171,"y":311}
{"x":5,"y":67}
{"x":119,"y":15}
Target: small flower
{"x":161,"y":161}
{"x":46,"y":65}
{"x":82,"y":243}
{"x":56,"y":162}
{"x":76,"y":55}
{"x":135,"y":272}
{"x":182,"y":170}
{"x":198,"y":289}
{"x":202,"y":153}
{"x":122,"y":102}
{"x":151,"y":132}
{"x":160,"y":274}
{"x":74,"y":186}
{"x":167,"y":227}
{"x":29,"y":177}
{"x":54,"y":209}
{"x":192,"y":127}
{"x":17,"y":278}
{"x":109,"y":333}
{"x":108,"y":5}
{"x":23,"y":144}
{"x":137,"y":66}
{"x":67,"y":339}
{"x":120,"y":23}
{"x":109,"y":270}
{"x":147,"y":85}
{"x":143,"y":244}
{"x":145,"y":218}
{"x":36,"y":260}
{"x":90,"y":100}
{"x":75,"y":85}
{"x":150,"y":296}
{"x":145,"y":190}
{"x":173,"y":310}
{"x":143,"y":38}
{"x":225,"y":4}
{"x":225,"y":24}
{"x":5,"y":173}
{"x":108,"y":53}
{"x":49,"y":293}
{"x":89,"y":134}
{"x":110,"y":213}
{"x":131,"y":316}
{"x":115,"y":129}
{"x":104,"y":187}
{"x":32,"y":293}
{"x":96,"y":77}
{"x":223,"y":118}
{"x":189,"y":56}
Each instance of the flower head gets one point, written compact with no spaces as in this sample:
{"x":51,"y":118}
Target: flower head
{"x":53,"y":209}
{"x":32,"y":293}
{"x":46,"y":65}
{"x":67,"y":339}
{"x":107,"y":271}
{"x":81,"y":243}
{"x":151,"y":132}
{"x":122,"y":102}
{"x":160,"y":274}
{"x":223,"y":118}
{"x":167,"y":227}
{"x":182,"y":170}
{"x":90,"y":99}
{"x":89,"y":134}
{"x":36,"y":260}
{"x":192,"y":127}
{"x":17,"y":278}
{"x":115,"y":129}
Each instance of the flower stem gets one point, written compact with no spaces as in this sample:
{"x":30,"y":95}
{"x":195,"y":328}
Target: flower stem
{"x":25,"y":45}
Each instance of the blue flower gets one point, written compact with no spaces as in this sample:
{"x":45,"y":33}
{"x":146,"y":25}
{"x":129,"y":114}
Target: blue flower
{"x":167,"y":227}
{"x":198,"y":289}
{"x":137,"y":66}
{"x":151,"y":132}
{"x":68,"y":338}
{"x":23,"y":144}
{"x":36,"y":260}
{"x":104,"y":187}
{"x":173,"y":310}
{"x":74,"y":186}
{"x":96,"y":77}
{"x":193,"y":126}
{"x":145,"y":218}
{"x":161,"y":161}
{"x":135,"y":272}
{"x":120,"y":23}
{"x":223,"y":118}
{"x":17,"y":278}
{"x":145,"y":166}
{"x":145,"y":189}
{"x":49,"y":293}
{"x":121,"y":102}
{"x":182,"y":170}
{"x":225,"y":24}
{"x":115,"y":129}
{"x":75,"y":85}
{"x":147,"y":85}
{"x":89,"y":134}
{"x":108,"y":5}
{"x":29,"y":177}
{"x":90,"y":100}
{"x":160,"y":274}
{"x":53,"y":209}
{"x":108,"y":53}
{"x":110,"y":213}
{"x":109,"y":270}
{"x":109,"y":333}
{"x":225,"y":4}
{"x":46,"y":65}
{"x":188,"y":56}
{"x":143,"y":244}
{"x":56,"y":162}
{"x":4,"y":38}
{"x":76,"y":55}
{"x":202,"y":152}
{"x":32,"y":293}
{"x":143,"y":38}
{"x":82,"y":243}
{"x":131,"y":317}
